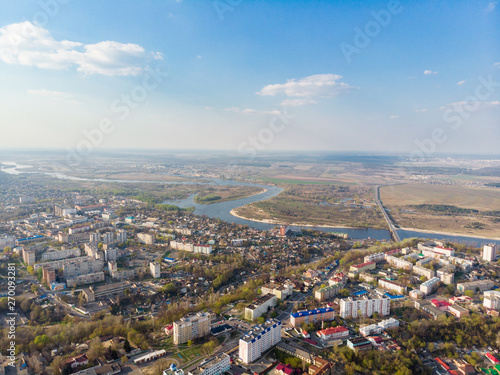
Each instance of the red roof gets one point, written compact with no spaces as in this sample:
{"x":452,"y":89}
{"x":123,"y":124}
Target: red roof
{"x":491,"y":358}
{"x":331,"y":331}
{"x":363,"y":264}
{"x":309,"y":341}
{"x":286,"y":369}
{"x":445,"y":366}
{"x":438,"y":303}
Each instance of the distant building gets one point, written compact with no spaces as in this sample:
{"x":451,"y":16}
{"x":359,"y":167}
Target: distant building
{"x":108,"y":237}
{"x":359,"y":343}
{"x":490,"y":252}
{"x":259,"y":340}
{"x":446,"y":277}
{"x":105,"y":291}
{"x":29,"y":257}
{"x":121,"y":236}
{"x":377,"y":257}
{"x":7,"y":241}
{"x":375,"y":329}
{"x":111,"y":254}
{"x":60,"y":254}
{"x":422,"y":271}
{"x":90,"y":278}
{"x":399,"y":263}
{"x":49,"y":275}
{"x":191,"y":327}
{"x":260,"y":306}
{"x":358,"y":268}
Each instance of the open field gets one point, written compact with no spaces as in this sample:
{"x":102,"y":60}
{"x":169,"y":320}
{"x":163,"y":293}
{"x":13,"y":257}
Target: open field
{"x":465,"y":197}
{"x":322,"y":205}
{"x":444,"y":208}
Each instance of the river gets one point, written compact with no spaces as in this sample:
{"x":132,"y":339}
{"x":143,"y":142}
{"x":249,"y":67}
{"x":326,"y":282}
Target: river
{"x":222,"y":210}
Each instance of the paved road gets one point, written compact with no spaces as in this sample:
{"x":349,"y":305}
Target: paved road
{"x":392,"y":228}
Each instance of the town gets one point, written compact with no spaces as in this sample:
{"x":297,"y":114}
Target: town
{"x":106,"y":284}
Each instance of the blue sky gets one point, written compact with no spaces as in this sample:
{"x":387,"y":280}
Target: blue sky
{"x":235,"y":66}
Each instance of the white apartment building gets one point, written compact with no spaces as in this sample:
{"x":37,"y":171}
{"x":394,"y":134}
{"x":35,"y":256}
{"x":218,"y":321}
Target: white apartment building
{"x":374,"y":329}
{"x":108,"y":237}
{"x":446,"y":277}
{"x":350,"y":308}
{"x":491,"y":299}
{"x":214,"y":366}
{"x":260,"y":339}
{"x":7,"y":241}
{"x":422,"y":271}
{"x":111,"y":254}
{"x":191,"y":327}
{"x":399,"y":263}
{"x":377,"y":257}
{"x":280,"y":291}
{"x":146,"y":238}
{"x":475,"y":285}
{"x":490,"y":252}
{"x":90,"y":278}
{"x":428,"y":286}
{"x":154,"y":269}
{"x":121,"y":236}
{"x":260,"y":306}
{"x":391,"y":285}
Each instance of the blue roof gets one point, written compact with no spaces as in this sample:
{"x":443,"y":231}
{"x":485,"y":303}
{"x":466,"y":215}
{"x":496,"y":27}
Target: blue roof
{"x":393,"y":297}
{"x":360,"y":293}
{"x":29,"y":238}
{"x":312,"y":312}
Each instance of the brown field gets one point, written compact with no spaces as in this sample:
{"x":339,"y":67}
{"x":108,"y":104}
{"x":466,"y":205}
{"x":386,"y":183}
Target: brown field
{"x":460,"y":196}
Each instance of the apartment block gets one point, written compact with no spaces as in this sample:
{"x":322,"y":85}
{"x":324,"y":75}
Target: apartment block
{"x":391,"y":285}
{"x":446,"y":277}
{"x":60,"y":254}
{"x":280,"y":291}
{"x":105,"y":291}
{"x":214,"y":366}
{"x":428,"y":286}
{"x":90,"y":278}
{"x":350,"y":308}
{"x":260,"y":306}
{"x":29,"y":257}
{"x":259,"y":340}
{"x":490,"y":252}
{"x":358,"y":268}
{"x":399,"y":263}
{"x":492,"y":299}
{"x":422,"y":271}
{"x":374,"y":329}
{"x":146,"y":238}
{"x":328,"y":292}
{"x":191,"y":327}
{"x":121,"y":236}
{"x":475,"y":285}
{"x":108,"y":237}
{"x":154,"y":269}
{"x":7,"y":241}
{"x":377,"y":257}
{"x":82,"y":267}
{"x":311,"y":316}
{"x":111,"y":254}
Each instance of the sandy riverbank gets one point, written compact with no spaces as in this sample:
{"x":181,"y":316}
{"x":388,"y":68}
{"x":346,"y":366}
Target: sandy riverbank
{"x":453,"y":234}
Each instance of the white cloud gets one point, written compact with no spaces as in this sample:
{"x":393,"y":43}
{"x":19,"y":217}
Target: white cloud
{"x":497,"y":64}
{"x":468,"y":106}
{"x":250,"y":111}
{"x":427,"y":72}
{"x":29,"y":45}
{"x":460,"y":83}
{"x":421,"y":110}
{"x":297,"y":102}
{"x":55,"y":94}
{"x":319,"y":85}
{"x":491,"y":6}
{"x":394,"y":116}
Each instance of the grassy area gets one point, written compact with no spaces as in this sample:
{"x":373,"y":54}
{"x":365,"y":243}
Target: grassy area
{"x":305,"y":181}
{"x":225,"y":193}
{"x":328,"y":205}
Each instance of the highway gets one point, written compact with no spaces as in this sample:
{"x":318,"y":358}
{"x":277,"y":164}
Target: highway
{"x":391,"y":225}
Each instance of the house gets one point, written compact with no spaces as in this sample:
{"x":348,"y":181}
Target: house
{"x":282,"y":369}
{"x":79,"y":361}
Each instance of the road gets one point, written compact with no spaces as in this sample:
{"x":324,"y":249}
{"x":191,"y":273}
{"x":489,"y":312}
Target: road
{"x":391,"y":225}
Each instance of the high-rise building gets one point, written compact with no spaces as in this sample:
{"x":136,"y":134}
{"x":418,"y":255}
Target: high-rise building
{"x":260,"y":339}
{"x":111,"y":254}
{"x":214,"y":366}
{"x":154,"y":269}
{"x":191,"y":327}
{"x":490,"y":252}
{"x":492,"y":299}
{"x":108,"y":237}
{"x":121,"y":236}
{"x":146,"y":238}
